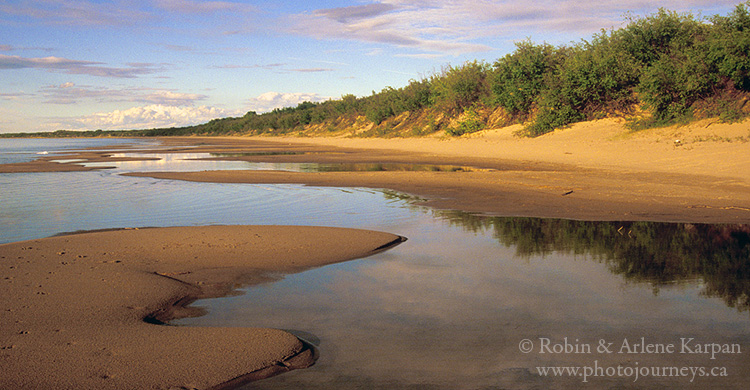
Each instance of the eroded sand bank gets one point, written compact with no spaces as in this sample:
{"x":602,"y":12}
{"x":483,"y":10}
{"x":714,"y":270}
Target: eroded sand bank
{"x":72,"y":308}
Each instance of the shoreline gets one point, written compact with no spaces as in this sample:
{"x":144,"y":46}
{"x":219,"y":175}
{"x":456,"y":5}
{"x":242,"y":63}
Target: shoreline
{"x":592,"y":171}
{"x":595,"y":170}
{"x":75,"y":307}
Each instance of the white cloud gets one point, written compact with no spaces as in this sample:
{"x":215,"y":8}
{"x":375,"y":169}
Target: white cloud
{"x":151,"y":116}
{"x":18,"y":62}
{"x":171,"y":115}
{"x":345,"y":14}
{"x":270,"y":100}
{"x":76,"y":12}
{"x":117,"y":12}
{"x":201,"y":7}
{"x":432,"y":28}
{"x":312,"y":70}
{"x":280,"y":67}
{"x":12,"y":96}
{"x":76,"y":66}
{"x":70,"y":93}
{"x":458,"y":27}
{"x":171,"y":98}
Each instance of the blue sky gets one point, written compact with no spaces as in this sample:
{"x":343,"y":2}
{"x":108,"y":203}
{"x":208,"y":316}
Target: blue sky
{"x":125,"y":64}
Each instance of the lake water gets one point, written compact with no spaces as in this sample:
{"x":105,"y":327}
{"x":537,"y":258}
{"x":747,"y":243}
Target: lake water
{"x":15,"y":150}
{"x":459,"y":303}
{"x":204,"y":162}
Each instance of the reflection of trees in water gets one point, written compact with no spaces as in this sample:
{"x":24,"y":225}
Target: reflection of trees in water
{"x":652,"y":252}
{"x":658,"y":253}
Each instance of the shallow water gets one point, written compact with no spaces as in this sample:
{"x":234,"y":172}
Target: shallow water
{"x":42,"y":204}
{"x":452,"y":307}
{"x":203,"y":162}
{"x":15,"y":150}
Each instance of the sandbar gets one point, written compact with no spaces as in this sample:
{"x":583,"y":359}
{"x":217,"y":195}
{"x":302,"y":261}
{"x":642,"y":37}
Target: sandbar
{"x":85,"y":311}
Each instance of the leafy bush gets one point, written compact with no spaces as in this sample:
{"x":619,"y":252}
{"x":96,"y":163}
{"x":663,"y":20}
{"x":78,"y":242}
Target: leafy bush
{"x":647,"y":39}
{"x":416,"y":95}
{"x":591,"y":79}
{"x":348,"y":103}
{"x":378,"y":108}
{"x":460,"y":87}
{"x":729,"y":45}
{"x":553,"y":114}
{"x":520,"y":77}
{"x":676,"y":70}
{"x":671,"y":85}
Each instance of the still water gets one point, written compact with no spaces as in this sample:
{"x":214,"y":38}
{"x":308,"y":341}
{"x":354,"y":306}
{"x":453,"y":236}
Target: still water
{"x":15,"y":150}
{"x":468,"y":302}
{"x":203,"y":162}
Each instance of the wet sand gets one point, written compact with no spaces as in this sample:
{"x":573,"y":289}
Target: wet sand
{"x":52,"y":163}
{"x":82,"y":311}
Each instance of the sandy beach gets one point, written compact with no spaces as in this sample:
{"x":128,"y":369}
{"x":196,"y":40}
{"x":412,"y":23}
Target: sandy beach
{"x":55,"y":336}
{"x":81,"y":311}
{"x":592,"y":171}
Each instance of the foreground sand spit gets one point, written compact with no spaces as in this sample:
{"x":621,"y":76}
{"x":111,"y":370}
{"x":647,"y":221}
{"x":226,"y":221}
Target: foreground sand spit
{"x":72,"y":308}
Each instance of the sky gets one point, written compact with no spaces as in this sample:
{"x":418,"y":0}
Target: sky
{"x":125,"y":64}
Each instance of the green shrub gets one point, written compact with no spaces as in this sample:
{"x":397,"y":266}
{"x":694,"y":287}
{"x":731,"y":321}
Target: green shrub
{"x":729,"y":45}
{"x":416,"y":95}
{"x":348,"y":104}
{"x":677,"y":70}
{"x":671,"y":85}
{"x":647,"y":39}
{"x":377,"y":108}
{"x":459,"y":87}
{"x":392,"y":102}
{"x":520,"y":77}
{"x":597,"y":77}
{"x":591,"y":80}
{"x":553,"y":114}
